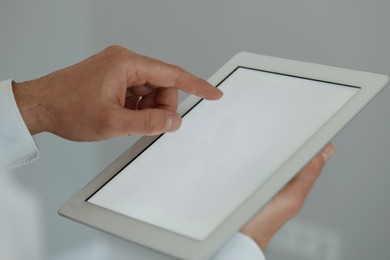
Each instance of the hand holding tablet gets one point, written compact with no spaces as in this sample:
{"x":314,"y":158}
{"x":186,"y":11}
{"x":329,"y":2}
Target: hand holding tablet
{"x":228,"y":158}
{"x":287,"y":202}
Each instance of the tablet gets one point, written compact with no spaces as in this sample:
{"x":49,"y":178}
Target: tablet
{"x":185,"y":193}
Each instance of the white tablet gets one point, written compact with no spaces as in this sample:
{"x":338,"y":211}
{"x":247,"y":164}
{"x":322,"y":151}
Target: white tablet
{"x":185,"y":193}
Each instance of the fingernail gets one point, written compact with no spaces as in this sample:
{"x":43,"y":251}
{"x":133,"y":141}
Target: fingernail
{"x":220,"y":94}
{"x":328,"y":152}
{"x":173,"y":123}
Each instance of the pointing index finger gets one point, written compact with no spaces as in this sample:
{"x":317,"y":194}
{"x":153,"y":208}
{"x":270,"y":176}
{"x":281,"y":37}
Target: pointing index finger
{"x":194,"y":85}
{"x":160,"y":74}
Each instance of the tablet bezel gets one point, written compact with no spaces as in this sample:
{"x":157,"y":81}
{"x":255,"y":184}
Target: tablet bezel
{"x":78,"y":209}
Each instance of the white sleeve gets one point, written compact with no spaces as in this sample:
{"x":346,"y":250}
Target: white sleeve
{"x":17,"y":146}
{"x":239,"y":246}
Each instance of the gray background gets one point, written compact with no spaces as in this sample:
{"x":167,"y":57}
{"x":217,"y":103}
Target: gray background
{"x":346,"y":216}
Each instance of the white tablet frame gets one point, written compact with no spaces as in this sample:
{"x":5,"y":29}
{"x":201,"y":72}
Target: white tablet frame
{"x":183,"y":247}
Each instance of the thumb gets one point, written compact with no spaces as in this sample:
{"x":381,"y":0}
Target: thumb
{"x":151,"y":121}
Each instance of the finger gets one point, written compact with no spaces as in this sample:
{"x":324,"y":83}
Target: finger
{"x":164,"y":98}
{"x":132,"y":102}
{"x":148,"y":101}
{"x":134,"y":95}
{"x":167,"y":98}
{"x":309,"y":174}
{"x":142,"y":90}
{"x":151,"y":121}
{"x":328,"y":151}
{"x":160,"y":74}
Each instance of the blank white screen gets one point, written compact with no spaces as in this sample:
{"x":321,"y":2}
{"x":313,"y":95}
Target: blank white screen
{"x":189,"y":181}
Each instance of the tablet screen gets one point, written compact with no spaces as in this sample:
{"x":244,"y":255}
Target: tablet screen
{"x":189,"y":181}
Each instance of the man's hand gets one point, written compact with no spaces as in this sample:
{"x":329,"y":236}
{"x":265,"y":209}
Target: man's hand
{"x":115,"y":92}
{"x":287,"y":203}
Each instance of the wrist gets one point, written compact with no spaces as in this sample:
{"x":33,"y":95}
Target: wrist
{"x":30,"y":105}
{"x":260,"y":239}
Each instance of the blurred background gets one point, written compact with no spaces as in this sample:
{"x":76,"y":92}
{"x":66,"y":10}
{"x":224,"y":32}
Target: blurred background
{"x":347,"y":215}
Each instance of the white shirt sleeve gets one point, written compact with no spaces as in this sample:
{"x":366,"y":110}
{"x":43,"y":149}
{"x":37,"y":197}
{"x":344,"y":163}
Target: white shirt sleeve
{"x":17,"y":146}
{"x":239,"y":246}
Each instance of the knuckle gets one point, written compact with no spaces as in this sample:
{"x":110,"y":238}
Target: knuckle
{"x":115,"y":48}
{"x":179,"y":69}
{"x":149,"y":123}
{"x":317,"y":166}
{"x":119,"y":52}
{"x":180,"y":72}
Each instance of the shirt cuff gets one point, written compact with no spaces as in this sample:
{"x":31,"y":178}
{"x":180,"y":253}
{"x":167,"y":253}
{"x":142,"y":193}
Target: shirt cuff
{"x":240,"y":246}
{"x":16,"y":143}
